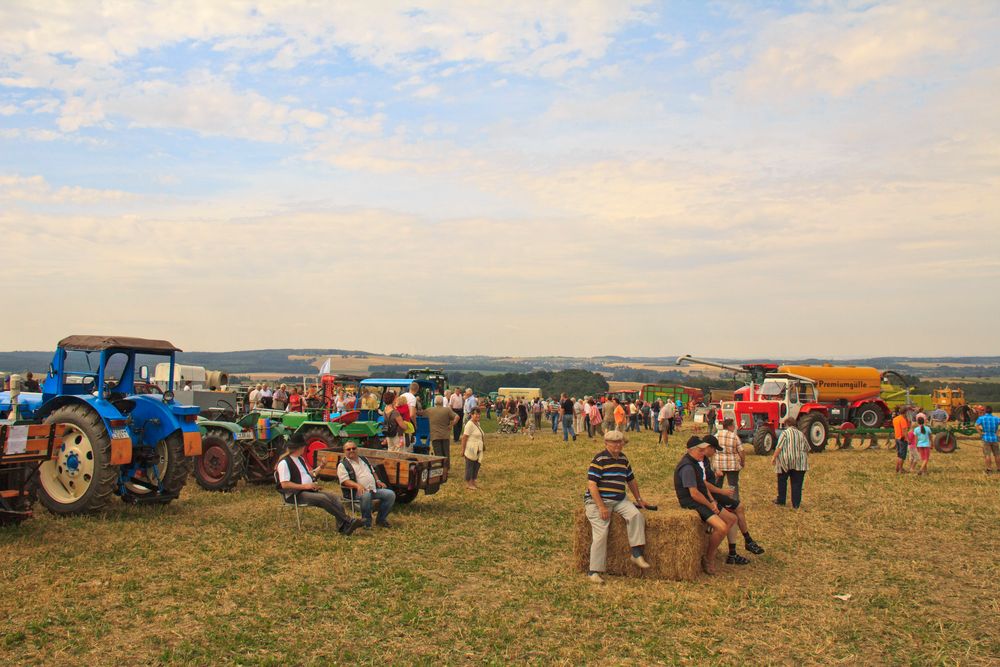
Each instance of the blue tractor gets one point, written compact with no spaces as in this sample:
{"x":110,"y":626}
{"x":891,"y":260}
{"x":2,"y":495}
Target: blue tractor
{"x":112,"y":440}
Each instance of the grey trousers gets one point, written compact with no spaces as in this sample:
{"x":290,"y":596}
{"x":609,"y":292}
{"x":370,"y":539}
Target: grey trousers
{"x":634,"y":521}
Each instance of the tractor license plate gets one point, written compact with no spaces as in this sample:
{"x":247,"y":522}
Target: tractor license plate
{"x":437,"y":472}
{"x":245,"y":435}
{"x":119,"y":433}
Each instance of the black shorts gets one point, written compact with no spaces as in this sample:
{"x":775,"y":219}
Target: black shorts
{"x":901,"y":446}
{"x":725,"y":503}
{"x":705,"y":513}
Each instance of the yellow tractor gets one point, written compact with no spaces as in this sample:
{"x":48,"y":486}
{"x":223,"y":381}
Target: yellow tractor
{"x":953,"y":402}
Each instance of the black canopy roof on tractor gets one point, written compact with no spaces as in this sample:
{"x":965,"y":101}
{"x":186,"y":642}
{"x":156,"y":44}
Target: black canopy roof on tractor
{"x":117,"y":343}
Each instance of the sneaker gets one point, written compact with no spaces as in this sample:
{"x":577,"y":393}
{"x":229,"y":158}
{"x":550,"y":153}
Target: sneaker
{"x":641,"y":562}
{"x":736,"y":559}
{"x":775,"y":501}
{"x":595,"y":578}
{"x":383,"y":524}
{"x":350,"y":527}
{"x":754,"y":548}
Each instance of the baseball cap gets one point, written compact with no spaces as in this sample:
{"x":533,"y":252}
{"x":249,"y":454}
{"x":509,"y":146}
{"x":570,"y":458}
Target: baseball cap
{"x":712,"y":440}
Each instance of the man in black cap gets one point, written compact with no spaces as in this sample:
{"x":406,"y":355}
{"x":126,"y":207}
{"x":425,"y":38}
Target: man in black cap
{"x":295,"y":480}
{"x":728,"y":501}
{"x":692,"y":493}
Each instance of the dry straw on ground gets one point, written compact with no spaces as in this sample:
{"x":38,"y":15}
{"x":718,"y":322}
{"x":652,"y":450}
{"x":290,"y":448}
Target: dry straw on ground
{"x":675,"y":541}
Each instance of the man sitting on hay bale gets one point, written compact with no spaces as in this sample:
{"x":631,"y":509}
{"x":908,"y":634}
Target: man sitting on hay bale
{"x":692,"y":493}
{"x":607,"y":477}
{"x":728,"y":500}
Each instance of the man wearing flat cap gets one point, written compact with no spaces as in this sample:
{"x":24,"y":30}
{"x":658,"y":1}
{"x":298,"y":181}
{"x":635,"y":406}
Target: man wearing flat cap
{"x":692,"y":493}
{"x":607,"y":478}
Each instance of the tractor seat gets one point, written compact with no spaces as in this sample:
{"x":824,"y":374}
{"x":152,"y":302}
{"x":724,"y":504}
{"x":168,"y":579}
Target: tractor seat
{"x":345,"y":418}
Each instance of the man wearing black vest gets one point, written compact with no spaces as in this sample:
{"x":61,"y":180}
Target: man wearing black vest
{"x":358,"y":480}
{"x":295,"y":480}
{"x":693,"y":494}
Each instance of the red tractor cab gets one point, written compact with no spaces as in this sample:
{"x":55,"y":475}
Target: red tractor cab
{"x":759,"y":410}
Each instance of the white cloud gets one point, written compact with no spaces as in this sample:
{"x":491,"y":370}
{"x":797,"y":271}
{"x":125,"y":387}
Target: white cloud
{"x":35,"y":189}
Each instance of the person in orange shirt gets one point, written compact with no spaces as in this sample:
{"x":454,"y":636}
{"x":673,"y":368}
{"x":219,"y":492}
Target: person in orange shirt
{"x":619,"y":415}
{"x":900,"y":426}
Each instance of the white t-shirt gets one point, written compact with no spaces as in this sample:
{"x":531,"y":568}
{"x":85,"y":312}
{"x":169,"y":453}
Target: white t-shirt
{"x":411,"y":400}
{"x":361,"y":473}
{"x":455,"y":402}
{"x":285,"y":476}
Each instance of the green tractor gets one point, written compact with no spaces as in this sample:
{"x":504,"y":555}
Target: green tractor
{"x":248,"y":447}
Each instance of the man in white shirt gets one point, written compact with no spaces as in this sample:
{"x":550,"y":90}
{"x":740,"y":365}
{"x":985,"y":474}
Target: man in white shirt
{"x":265,"y":396}
{"x":456,"y":403}
{"x":358,"y":480}
{"x":667,"y":413}
{"x":411,"y":400}
{"x":295,"y":480}
{"x":254,"y":398}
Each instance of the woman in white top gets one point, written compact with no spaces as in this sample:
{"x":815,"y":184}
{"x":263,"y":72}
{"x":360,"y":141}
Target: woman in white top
{"x":473,"y":444}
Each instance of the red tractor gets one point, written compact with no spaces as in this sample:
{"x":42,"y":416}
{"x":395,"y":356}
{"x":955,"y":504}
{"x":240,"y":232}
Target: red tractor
{"x":760,"y":408}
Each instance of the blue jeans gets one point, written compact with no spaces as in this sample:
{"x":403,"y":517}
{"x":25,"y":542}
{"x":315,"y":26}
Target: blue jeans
{"x":555,"y":422}
{"x":568,"y":427}
{"x":386,"y":497}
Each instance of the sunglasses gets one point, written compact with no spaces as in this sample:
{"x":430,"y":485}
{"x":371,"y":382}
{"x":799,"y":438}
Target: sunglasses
{"x":350,"y":449}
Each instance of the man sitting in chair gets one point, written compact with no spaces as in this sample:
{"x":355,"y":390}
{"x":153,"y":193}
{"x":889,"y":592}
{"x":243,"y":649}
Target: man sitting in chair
{"x":295,"y":482}
{"x":359,"y":482}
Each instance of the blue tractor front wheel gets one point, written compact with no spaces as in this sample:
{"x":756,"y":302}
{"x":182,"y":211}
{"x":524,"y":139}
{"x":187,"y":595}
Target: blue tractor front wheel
{"x":80,"y":479}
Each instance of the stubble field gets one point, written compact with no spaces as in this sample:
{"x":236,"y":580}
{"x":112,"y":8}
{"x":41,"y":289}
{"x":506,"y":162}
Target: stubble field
{"x":486,"y":577}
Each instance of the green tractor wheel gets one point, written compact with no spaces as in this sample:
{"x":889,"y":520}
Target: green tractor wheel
{"x":170,"y":467}
{"x":80,"y":478}
{"x":221,"y":464}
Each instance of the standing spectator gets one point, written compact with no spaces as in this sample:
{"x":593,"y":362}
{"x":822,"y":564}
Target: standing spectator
{"x":654,"y":416}
{"x":489,"y":406}
{"x":619,"y":415}
{"x":922,"y":436}
{"x":633,"y":413}
{"x":470,"y":404}
{"x":536,"y":413}
{"x":730,"y":459}
{"x":608,"y":413}
{"x":522,"y":416}
{"x":607,"y":478}
{"x":31,"y":384}
{"x":456,"y":404}
{"x":645,"y":410}
{"x":295,"y":400}
{"x":667,"y":413}
{"x":710,"y":419}
{"x":394,"y":424}
{"x":900,"y":427}
{"x":566,"y":410}
{"x":592,"y":417}
{"x":473,"y":446}
{"x":791,"y":461}
{"x":253,"y":398}
{"x":578,"y":426}
{"x":440,"y":420}
{"x":265,"y":396}
{"x":553,"y":408}
{"x":280,"y":398}
{"x":938,"y":417}
{"x":411,"y":400}
{"x":987,"y":425}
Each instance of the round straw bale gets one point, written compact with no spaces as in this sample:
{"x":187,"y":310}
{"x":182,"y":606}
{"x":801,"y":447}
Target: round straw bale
{"x":675,"y":541}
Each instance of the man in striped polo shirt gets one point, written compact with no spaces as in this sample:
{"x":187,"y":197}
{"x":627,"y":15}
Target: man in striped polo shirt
{"x":607,"y":478}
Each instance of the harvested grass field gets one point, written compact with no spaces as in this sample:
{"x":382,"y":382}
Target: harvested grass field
{"x":487,"y":577}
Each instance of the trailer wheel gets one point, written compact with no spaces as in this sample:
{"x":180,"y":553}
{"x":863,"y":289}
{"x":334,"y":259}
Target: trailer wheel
{"x":945,"y":442}
{"x":763,"y":440}
{"x":169,"y":465}
{"x":407,"y":496}
{"x":815,"y":428}
{"x":81,"y":478}
{"x":870,"y":415}
{"x":221,"y":464}
{"x":316,"y":438}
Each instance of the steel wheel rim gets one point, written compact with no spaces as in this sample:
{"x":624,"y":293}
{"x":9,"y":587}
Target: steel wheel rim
{"x":214,"y":462}
{"x":816,"y":433}
{"x":67,"y":478}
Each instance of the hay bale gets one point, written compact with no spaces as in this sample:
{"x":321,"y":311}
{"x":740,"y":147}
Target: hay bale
{"x":675,"y":541}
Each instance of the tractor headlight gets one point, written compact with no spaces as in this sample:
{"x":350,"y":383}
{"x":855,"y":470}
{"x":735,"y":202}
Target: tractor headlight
{"x":168,"y":396}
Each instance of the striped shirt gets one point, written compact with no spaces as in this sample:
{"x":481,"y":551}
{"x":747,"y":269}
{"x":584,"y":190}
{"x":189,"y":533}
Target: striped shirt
{"x":611,"y":475}
{"x":728,"y":460}
{"x":989,"y":424}
{"x":792,"y":451}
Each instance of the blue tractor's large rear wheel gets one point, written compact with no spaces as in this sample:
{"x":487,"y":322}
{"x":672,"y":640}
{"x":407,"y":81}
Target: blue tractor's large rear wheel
{"x":80,"y":478}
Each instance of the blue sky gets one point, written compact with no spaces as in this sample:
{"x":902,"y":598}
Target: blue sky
{"x":814,"y":178}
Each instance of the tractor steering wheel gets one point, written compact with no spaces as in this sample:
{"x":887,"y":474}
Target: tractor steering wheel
{"x":227,"y":410}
